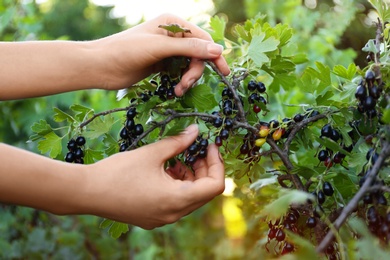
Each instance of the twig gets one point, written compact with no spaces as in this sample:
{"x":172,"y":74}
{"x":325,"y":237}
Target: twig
{"x":104,"y":113}
{"x":352,"y":204}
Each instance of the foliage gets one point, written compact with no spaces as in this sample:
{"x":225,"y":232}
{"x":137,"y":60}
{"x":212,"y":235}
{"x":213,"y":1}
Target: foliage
{"x":272,"y":152}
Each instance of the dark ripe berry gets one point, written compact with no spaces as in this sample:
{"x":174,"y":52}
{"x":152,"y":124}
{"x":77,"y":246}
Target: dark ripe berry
{"x":79,"y":161}
{"x":144,"y":97}
{"x":330,"y":249}
{"x":202,"y":153}
{"x":288,"y":248}
{"x":244,"y":149}
{"x":218,"y":122}
{"x":327,"y":188}
{"x":80,"y":141}
{"x":70,"y":157}
{"x":291,"y":218}
{"x":256,"y":108}
{"x":227,"y":111}
{"x":228,"y":123}
{"x":371,"y":113}
{"x":129,"y":124}
{"x":311,"y":222}
{"x":218,"y":141}
{"x":165,"y":79}
{"x":161,"y":90}
{"x":298,"y":118}
{"x":131,"y":113}
{"x":360,"y":92}
{"x":224,"y":134}
{"x":338,"y":157}
{"x":71,"y":145}
{"x":203,"y":143}
{"x":252,"y":85}
{"x":384,"y":230}
{"x":124,"y":134}
{"x":274,"y":123}
{"x":123,"y":147}
{"x":253,"y":98}
{"x":226,"y":92}
{"x":323,"y":155}
{"x":262,"y":100}
{"x":321,"y":197}
{"x":261,"y":87}
{"x":335,"y":136}
{"x":138,"y":129}
{"x":272,"y":233}
{"x":170,"y":93}
{"x":228,"y":103}
{"x":367,"y":198}
{"x":280,"y":235}
{"x":190,"y":160}
{"x":370,"y":76}
{"x":79,"y":153}
{"x":314,"y":113}
{"x":374,"y":92}
{"x":193,"y":149}
{"x":326,"y":131}
{"x":369,"y":103}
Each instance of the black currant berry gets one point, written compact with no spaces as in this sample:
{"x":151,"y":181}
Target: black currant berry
{"x":193,"y":149}
{"x":70,"y":157}
{"x":280,"y":235}
{"x":71,"y":145}
{"x":224,"y":134}
{"x":138,"y":129}
{"x":202,"y":153}
{"x":369,"y":103}
{"x":218,"y":122}
{"x":79,"y":153}
{"x":298,"y":118}
{"x":80,"y":141}
{"x":370,"y":76}
{"x":261,"y":87}
{"x":124,"y":133}
{"x":131,"y":113}
{"x":311,"y":222}
{"x":129,"y":124}
{"x":327,"y":188}
{"x":218,"y":141}
{"x":322,"y":155}
{"x":326,"y":130}
{"x":360,"y":92}
{"x":252,"y":85}
{"x":321,"y":197}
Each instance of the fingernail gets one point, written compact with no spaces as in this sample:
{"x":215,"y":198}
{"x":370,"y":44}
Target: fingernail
{"x":191,"y":129}
{"x":215,"y":49}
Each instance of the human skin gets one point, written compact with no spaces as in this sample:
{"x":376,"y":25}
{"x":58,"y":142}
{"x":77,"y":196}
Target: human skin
{"x":132,"y":187}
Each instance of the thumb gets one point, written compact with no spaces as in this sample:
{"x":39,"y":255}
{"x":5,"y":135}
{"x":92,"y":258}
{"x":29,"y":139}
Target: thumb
{"x":171,"y":146}
{"x":190,"y":47}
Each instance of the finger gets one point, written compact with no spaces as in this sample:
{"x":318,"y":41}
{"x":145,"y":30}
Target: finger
{"x":180,"y":172}
{"x":171,"y":146}
{"x":194,"y":72}
{"x":211,"y":181}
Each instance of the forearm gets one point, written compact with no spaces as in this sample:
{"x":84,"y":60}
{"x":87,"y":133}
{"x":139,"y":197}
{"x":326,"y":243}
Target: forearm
{"x":31,"y":69}
{"x":32,"y":180}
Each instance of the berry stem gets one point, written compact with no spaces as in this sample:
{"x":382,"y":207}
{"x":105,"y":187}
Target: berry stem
{"x":104,"y":113}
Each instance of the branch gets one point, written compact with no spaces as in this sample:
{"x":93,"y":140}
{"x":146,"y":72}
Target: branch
{"x":350,"y":207}
{"x":104,"y":113}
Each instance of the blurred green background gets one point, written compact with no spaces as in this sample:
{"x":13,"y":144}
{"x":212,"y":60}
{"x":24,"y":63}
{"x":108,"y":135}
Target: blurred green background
{"x":332,"y":32}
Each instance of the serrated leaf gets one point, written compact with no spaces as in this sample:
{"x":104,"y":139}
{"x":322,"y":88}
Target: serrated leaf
{"x":50,"y":144}
{"x":99,"y":126}
{"x":61,"y":116}
{"x":41,"y":127}
{"x":115,"y":229}
{"x":91,"y":156}
{"x":200,"y":97}
{"x":347,"y":73}
{"x":174,"y":28}
{"x":370,"y":47}
{"x":280,"y":206}
{"x":81,"y":111}
{"x":218,"y":25}
{"x":258,"y":48}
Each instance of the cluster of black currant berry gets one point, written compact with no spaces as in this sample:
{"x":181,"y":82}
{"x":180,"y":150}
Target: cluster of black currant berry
{"x":327,"y":156}
{"x":75,"y":150}
{"x":198,"y":149}
{"x":256,"y":88}
{"x":367,"y":93}
{"x":378,"y":221}
{"x":166,"y":89}
{"x":130,"y":130}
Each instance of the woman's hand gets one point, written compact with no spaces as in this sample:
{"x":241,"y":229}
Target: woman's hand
{"x":134,"y":187}
{"x":134,"y":54}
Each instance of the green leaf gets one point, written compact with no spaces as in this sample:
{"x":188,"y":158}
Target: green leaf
{"x":91,"y":156}
{"x":41,"y":127}
{"x":280,"y":206}
{"x":174,"y":28}
{"x":343,"y":72}
{"x":99,"y":126}
{"x":218,"y":25}
{"x":328,"y":143}
{"x":61,"y":116}
{"x":115,"y":229}
{"x":258,"y":48}
{"x":51,"y":143}
{"x":81,"y":112}
{"x":200,"y":97}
